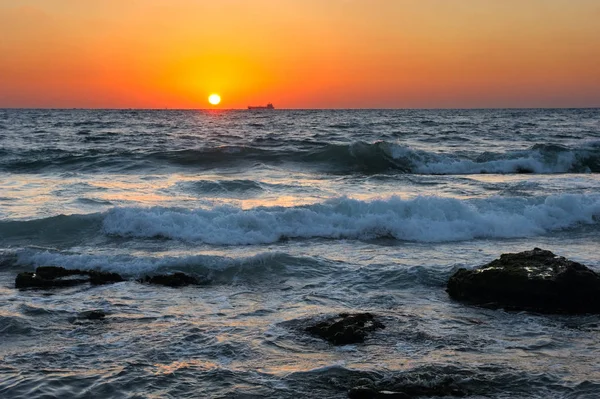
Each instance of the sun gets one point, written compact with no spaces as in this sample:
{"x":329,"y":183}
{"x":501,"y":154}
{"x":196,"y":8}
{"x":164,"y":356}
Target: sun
{"x":214,"y":99}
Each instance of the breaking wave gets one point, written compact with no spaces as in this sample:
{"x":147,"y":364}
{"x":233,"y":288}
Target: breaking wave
{"x":422,"y":219}
{"x":220,"y":269}
{"x":357,"y":157}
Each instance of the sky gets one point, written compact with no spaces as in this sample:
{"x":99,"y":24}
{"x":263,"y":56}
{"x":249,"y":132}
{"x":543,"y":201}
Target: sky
{"x":300,"y":53}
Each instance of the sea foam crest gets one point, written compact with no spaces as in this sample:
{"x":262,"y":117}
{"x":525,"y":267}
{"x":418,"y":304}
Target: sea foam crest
{"x":541,"y":159}
{"x":219,"y":268}
{"x":423,"y":219}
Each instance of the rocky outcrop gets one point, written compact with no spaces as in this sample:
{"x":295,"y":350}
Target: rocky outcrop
{"x":346,"y":328}
{"x":57,"y":277}
{"x":535,"y":280}
{"x":174,"y":280}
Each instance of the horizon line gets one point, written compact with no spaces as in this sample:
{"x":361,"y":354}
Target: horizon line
{"x":292,"y":109}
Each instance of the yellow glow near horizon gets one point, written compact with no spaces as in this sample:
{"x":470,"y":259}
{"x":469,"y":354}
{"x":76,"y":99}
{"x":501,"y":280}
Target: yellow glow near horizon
{"x":345,"y":53}
{"x":214,"y":99}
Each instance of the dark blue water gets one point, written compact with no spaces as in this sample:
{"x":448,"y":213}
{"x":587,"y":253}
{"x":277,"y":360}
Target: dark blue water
{"x":291,"y":215}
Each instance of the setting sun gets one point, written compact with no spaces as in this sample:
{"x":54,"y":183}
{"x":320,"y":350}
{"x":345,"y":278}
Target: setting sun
{"x":214,"y":99}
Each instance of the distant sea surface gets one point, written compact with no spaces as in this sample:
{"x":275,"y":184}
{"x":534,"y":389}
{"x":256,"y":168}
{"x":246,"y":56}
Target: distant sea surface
{"x":292,"y":215}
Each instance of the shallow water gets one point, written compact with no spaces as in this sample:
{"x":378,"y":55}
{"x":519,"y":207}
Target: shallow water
{"x":292,"y":215}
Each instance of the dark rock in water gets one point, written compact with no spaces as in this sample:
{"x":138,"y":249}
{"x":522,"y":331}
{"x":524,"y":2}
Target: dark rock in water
{"x":534,"y":280}
{"x":524,"y":170}
{"x":56,"y":277}
{"x":98,"y":278}
{"x":33,"y":280}
{"x":444,"y":388}
{"x":346,"y":328}
{"x":92,"y":315}
{"x":54,"y":272}
{"x":370,"y":393}
{"x":406,"y":391}
{"x":173,"y":280}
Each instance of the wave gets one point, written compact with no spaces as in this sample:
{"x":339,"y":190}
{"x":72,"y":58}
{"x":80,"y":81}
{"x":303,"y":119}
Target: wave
{"x":219,"y":269}
{"x":540,"y":158}
{"x":221,"y":187}
{"x":357,"y":157}
{"x":234,"y":187}
{"x":272,"y":266}
{"x":52,"y":229}
{"x":13,"y":325}
{"x":422,"y":219}
{"x":383,"y":156}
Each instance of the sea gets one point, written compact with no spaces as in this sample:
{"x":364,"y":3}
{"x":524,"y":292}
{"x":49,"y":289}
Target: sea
{"x":292,"y":216}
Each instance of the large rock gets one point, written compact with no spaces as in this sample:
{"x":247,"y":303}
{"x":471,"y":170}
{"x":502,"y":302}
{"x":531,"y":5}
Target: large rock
{"x":346,"y":328}
{"x":57,"y":277}
{"x":534,"y":280}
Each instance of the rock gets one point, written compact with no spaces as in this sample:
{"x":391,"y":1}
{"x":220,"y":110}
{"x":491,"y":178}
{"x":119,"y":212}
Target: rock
{"x":406,"y":391}
{"x":57,"y":277}
{"x":534,"y":280}
{"x":92,"y":315}
{"x":370,"y":393}
{"x":33,"y":280}
{"x":346,"y":328}
{"x":444,"y":388}
{"x":98,"y":278}
{"x":173,"y":280}
{"x":54,"y":272}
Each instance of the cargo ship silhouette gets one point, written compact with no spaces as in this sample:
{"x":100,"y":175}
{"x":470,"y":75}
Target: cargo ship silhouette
{"x":268,"y":106}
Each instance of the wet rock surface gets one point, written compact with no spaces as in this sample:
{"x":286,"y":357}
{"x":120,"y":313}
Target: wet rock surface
{"x":346,"y":328}
{"x":98,"y":278}
{"x":411,"y":392}
{"x":174,"y":280}
{"x":92,"y":315}
{"x":535,"y":280}
{"x":444,"y":388}
{"x":370,"y":393}
{"x":58,"y":277}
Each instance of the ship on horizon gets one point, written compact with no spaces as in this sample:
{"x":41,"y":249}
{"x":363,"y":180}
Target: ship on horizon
{"x":268,"y":106}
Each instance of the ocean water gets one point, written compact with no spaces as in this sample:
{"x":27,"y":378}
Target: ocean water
{"x":293,"y":216}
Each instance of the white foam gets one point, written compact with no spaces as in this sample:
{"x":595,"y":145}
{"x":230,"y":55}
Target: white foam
{"x":532,"y":160}
{"x":424,"y":219}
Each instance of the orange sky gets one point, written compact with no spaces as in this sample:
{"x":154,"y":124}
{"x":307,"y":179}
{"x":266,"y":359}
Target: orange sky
{"x":300,"y":53}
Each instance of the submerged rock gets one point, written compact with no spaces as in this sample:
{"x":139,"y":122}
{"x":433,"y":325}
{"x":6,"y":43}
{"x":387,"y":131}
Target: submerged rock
{"x":92,"y":315}
{"x":535,"y":280}
{"x":54,"y":272}
{"x":57,"y":277}
{"x":98,"y":278}
{"x":407,"y":391}
{"x":34,"y":280}
{"x":346,"y":328}
{"x":370,"y":393}
{"x":174,"y":280}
